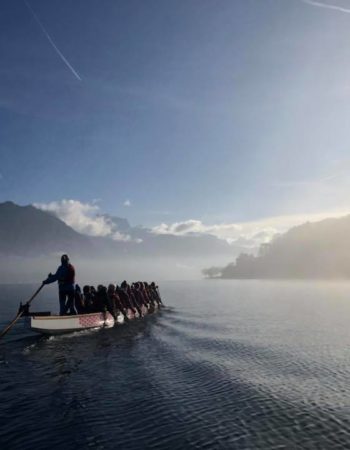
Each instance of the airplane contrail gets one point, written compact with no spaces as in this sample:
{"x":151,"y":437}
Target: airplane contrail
{"x":60,"y":54}
{"x":326,"y":6}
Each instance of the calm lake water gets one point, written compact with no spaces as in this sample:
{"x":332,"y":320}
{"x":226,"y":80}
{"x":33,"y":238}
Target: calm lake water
{"x":227,"y":365}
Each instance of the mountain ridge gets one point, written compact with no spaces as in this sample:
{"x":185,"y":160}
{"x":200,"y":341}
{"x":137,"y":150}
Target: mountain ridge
{"x":28,"y":231}
{"x":311,"y":250}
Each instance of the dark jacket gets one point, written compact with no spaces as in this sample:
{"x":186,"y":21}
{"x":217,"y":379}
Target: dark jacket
{"x":65,"y":275}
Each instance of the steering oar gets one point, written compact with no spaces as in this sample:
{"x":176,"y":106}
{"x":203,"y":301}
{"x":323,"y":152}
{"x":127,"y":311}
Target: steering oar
{"x":10,"y":325}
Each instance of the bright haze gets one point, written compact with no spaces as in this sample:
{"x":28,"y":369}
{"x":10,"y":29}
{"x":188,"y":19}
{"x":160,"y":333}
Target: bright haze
{"x":213,"y":117}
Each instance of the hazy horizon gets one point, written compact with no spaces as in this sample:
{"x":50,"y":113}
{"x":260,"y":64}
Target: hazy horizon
{"x":313,"y":250}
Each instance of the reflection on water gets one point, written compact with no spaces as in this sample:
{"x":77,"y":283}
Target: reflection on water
{"x":231,"y":364}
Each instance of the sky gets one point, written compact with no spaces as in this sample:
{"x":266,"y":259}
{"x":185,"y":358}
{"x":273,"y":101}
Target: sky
{"x":178,"y":115}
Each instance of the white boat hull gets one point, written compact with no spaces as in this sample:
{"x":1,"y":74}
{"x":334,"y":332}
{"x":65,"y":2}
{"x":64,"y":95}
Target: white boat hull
{"x":68,"y":324}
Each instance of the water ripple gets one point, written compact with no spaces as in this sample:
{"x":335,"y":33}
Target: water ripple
{"x":184,"y":378}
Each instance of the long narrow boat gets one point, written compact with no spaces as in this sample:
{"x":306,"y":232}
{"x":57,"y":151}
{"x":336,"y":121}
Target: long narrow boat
{"x":68,"y":324}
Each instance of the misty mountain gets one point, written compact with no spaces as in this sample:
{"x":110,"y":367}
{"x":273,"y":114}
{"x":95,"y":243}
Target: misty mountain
{"x":311,"y":250}
{"x":28,"y":231}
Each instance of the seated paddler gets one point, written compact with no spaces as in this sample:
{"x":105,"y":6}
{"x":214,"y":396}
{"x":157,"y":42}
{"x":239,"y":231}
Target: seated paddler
{"x":65,"y":276}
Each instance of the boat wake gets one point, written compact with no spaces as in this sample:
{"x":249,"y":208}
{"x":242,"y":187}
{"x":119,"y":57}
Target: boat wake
{"x":73,"y":334}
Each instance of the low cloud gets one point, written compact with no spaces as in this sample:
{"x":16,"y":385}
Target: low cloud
{"x":127,"y":203}
{"x":245,"y":234}
{"x":84,"y":218}
{"x":87,"y":219}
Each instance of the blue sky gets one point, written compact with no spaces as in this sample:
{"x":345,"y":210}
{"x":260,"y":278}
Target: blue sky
{"x":213,"y":110}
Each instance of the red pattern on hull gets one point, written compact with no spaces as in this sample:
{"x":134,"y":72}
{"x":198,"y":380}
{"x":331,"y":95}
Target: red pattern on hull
{"x":91,"y":321}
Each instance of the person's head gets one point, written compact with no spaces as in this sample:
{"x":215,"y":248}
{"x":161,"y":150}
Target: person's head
{"x":64,"y":259}
{"x":111,"y":289}
{"x":77,"y":288}
{"x":92,"y":289}
{"x":86,"y":289}
{"x":101,"y":289}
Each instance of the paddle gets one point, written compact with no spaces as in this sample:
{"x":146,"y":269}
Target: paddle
{"x":125,"y":314}
{"x":120,"y":307}
{"x":6,"y":329}
{"x":159,"y":299}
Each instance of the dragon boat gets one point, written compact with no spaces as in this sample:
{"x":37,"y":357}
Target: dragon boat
{"x":51,"y":324}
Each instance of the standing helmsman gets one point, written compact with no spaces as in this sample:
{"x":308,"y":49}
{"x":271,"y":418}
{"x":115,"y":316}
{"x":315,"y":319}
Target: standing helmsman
{"x":65,"y":276}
